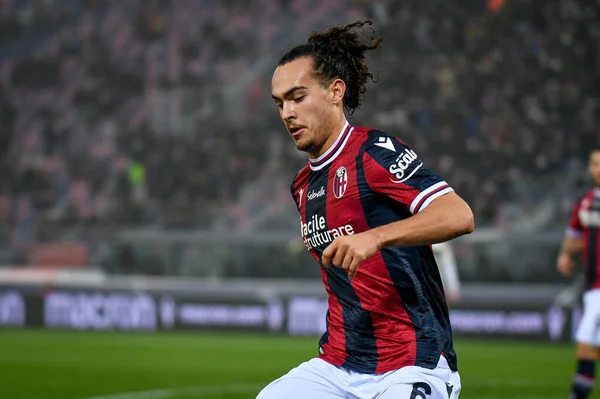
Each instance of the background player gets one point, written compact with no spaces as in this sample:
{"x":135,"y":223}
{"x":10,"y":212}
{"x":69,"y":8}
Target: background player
{"x":582,"y":236}
{"x":369,"y":212}
{"x":445,"y":259}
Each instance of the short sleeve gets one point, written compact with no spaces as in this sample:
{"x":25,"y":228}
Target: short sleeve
{"x":393,"y":169}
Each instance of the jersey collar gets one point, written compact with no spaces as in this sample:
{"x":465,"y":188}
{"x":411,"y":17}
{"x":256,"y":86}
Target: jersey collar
{"x":333,"y":151}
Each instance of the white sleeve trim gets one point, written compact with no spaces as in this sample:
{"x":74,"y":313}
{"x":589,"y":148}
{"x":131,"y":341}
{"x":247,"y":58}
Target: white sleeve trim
{"x":425,"y":193}
{"x":434,"y":196}
{"x":573,"y":233}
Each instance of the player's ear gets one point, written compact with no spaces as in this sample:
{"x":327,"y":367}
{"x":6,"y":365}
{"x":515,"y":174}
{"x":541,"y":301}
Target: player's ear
{"x":338,"y":89}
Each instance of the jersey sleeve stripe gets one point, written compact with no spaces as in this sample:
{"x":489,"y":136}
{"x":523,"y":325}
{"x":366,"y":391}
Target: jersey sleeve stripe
{"x":573,"y":233}
{"x":415,"y":204}
{"x":433,"y":196}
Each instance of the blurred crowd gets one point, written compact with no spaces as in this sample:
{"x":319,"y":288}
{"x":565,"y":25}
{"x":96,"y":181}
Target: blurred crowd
{"x":157,"y":112}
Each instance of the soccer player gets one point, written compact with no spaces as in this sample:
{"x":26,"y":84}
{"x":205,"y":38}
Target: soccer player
{"x":583,"y":236}
{"x":369,"y":211}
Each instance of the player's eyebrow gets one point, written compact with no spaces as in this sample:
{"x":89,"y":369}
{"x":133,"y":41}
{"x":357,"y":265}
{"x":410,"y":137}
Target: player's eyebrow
{"x":289,"y":92}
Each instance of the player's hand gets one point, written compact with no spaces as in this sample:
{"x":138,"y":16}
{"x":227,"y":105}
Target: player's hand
{"x":350,"y":251}
{"x":565,"y":264}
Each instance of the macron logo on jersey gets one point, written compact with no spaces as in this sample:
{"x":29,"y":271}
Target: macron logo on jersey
{"x":402,"y":169}
{"x":387,"y":143}
{"x":315,"y":232}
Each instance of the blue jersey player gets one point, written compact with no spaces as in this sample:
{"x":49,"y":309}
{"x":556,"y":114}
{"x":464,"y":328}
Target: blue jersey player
{"x":369,"y":212}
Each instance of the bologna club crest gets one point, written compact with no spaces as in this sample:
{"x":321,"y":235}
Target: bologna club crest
{"x":340,"y":183}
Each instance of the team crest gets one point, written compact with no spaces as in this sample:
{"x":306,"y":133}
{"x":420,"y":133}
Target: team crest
{"x":340,"y":183}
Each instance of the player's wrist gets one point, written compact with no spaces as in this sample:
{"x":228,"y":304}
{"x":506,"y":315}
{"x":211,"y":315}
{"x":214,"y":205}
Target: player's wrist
{"x":378,"y":237}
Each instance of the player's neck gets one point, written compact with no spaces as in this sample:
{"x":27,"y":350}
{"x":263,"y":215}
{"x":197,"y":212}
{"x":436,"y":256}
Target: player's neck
{"x":336,"y":130}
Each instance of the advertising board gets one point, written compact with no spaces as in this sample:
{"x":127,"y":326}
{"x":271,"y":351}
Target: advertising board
{"x":104,"y":309}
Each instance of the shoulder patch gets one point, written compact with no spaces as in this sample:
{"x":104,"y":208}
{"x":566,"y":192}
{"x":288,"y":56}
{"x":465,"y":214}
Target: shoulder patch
{"x":386,"y":142}
{"x":399,"y":159}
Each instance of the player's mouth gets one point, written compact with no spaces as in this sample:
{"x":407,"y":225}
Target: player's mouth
{"x":296,"y":131}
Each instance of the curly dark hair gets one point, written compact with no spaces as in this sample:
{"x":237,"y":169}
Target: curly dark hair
{"x":339,"y":52}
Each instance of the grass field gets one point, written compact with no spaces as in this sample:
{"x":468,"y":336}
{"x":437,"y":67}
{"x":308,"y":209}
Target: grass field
{"x":37,"y":364}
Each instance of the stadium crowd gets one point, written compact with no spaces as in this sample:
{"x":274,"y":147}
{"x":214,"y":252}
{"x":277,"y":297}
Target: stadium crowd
{"x":157,"y":113}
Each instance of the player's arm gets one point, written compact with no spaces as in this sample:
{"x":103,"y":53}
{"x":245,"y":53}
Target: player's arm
{"x":571,"y":246}
{"x":445,"y":218}
{"x":392,"y":169}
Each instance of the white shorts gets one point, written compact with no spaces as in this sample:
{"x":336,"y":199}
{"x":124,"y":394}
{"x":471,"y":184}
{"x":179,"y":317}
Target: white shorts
{"x":317,"y":379}
{"x":588,"y":331}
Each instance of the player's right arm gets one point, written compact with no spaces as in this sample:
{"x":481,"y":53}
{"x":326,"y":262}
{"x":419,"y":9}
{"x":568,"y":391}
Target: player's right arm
{"x":572,"y":244}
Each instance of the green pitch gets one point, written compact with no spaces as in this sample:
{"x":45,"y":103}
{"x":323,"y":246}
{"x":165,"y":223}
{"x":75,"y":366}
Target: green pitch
{"x":80,"y":365}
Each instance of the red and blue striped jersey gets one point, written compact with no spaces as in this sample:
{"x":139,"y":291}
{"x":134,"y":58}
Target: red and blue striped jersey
{"x":393,"y":313}
{"x":584,"y":223}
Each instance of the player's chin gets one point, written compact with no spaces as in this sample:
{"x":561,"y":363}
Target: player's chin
{"x":303,"y":145}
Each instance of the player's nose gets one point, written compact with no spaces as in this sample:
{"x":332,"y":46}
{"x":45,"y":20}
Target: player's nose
{"x":288,"y":112}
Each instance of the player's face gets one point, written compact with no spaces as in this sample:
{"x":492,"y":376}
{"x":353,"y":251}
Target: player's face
{"x":304,"y":105}
{"x":595,"y":167}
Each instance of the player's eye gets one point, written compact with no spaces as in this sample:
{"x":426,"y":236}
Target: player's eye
{"x":299,"y":99}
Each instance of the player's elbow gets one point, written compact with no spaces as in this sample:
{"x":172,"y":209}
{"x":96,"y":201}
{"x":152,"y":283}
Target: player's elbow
{"x":462,"y":221}
{"x":456,"y":213}
{"x":465,"y":221}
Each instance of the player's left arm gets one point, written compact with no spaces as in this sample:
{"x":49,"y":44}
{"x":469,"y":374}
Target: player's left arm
{"x":445,"y":218}
{"x":572,"y":243}
{"x":439,"y":214}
